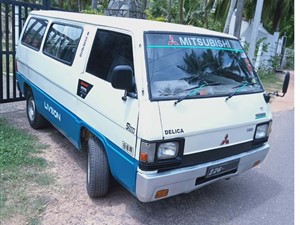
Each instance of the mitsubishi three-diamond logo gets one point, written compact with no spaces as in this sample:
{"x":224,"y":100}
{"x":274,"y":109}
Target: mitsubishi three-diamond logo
{"x":225,"y":141}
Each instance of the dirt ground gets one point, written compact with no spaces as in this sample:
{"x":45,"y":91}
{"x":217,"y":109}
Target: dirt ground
{"x":68,"y":202}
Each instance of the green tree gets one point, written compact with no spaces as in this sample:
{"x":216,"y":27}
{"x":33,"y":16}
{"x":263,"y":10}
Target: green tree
{"x":229,"y":16}
{"x":276,"y":15}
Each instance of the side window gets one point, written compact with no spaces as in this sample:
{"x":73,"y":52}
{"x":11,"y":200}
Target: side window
{"x":109,"y":50}
{"x":62,"y":42}
{"x":34,"y":33}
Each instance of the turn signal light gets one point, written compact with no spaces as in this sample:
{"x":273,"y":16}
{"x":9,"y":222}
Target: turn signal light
{"x":162,"y":193}
{"x":143,"y":156}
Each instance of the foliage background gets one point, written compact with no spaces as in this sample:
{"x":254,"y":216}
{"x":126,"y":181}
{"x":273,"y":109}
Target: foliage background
{"x":277,"y":15}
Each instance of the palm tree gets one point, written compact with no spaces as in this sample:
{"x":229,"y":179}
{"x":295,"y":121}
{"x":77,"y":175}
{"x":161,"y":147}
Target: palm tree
{"x":282,"y":8}
{"x":206,"y":15}
{"x":169,"y":10}
{"x":219,"y":8}
{"x":94,"y":5}
{"x":224,"y":10}
{"x":181,"y":9}
{"x":143,"y":6}
{"x":274,"y":11}
{"x":229,"y":16}
{"x":238,"y":18}
{"x":61,"y":4}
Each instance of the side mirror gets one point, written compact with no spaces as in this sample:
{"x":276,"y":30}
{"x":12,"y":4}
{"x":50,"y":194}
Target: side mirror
{"x":284,"y":89}
{"x":122,"y":78}
{"x":286,"y":83}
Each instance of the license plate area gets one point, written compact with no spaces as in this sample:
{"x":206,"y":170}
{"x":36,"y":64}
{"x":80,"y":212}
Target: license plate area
{"x":222,"y":168}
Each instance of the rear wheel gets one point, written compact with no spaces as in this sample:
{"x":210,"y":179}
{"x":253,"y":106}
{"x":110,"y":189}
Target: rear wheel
{"x":35,"y":119}
{"x":98,"y":173}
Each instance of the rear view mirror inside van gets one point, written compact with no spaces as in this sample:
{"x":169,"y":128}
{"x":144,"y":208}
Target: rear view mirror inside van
{"x":122,"y":78}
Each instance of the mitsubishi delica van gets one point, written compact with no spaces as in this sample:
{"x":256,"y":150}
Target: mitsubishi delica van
{"x":164,"y":109}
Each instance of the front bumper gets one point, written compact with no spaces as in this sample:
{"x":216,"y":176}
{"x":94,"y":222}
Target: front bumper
{"x":184,"y":180}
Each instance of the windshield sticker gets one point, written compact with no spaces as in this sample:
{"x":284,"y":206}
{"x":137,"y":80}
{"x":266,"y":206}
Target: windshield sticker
{"x":171,"y":41}
{"x":208,"y":42}
{"x":194,"y":42}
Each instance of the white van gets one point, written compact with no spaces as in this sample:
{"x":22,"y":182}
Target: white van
{"x":163,"y":108}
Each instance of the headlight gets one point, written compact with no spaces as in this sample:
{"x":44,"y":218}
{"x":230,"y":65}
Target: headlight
{"x":167,"y":150}
{"x":154,"y":151}
{"x":262,"y":131}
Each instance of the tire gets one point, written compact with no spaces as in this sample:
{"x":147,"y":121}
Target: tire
{"x":35,"y":119}
{"x":98,"y":173}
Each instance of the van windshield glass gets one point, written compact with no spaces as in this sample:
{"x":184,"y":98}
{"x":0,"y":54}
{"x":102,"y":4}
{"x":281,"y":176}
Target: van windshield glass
{"x":179,"y":63}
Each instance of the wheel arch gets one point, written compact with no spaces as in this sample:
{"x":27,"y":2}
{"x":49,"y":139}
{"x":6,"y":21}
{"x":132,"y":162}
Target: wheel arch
{"x":121,"y":167}
{"x":27,"y":89}
{"x":86,"y":133}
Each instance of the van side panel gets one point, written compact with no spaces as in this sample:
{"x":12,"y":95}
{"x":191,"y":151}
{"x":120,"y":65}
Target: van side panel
{"x":55,"y":88}
{"x":107,"y":116}
{"x":65,"y":121}
{"x":122,"y":165}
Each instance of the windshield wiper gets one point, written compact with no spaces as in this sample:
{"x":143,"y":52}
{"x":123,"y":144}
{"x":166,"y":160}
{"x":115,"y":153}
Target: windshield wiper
{"x":195,"y":90}
{"x":240,"y":87}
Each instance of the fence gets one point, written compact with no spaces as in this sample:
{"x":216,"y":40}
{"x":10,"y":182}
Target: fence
{"x":13,"y":16}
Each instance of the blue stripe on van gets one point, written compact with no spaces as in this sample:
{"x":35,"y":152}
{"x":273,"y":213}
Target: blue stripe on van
{"x":64,"y":120}
{"x":123,"y":167}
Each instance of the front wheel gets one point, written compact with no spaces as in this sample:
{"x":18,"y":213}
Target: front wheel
{"x":98,"y":172}
{"x":35,"y":119}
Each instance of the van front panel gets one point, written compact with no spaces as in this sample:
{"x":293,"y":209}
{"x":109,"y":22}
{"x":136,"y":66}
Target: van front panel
{"x":211,"y":105}
{"x":185,"y":180}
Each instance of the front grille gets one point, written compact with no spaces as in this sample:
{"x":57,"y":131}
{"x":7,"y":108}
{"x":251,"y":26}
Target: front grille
{"x":216,"y":154}
{"x":201,"y":157}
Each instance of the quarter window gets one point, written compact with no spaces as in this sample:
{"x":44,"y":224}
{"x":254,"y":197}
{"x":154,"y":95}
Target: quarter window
{"x":109,"y":50}
{"x":62,"y":42}
{"x":34,"y":33}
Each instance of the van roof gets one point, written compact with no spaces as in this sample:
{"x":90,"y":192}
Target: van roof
{"x":130,"y":24}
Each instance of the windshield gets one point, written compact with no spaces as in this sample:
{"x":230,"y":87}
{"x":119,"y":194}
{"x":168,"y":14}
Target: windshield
{"x":178,"y":63}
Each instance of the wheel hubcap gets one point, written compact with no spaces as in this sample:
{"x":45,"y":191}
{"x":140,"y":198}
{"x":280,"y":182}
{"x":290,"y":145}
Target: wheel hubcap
{"x":31,"y":109}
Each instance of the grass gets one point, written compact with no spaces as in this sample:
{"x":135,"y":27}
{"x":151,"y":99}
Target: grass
{"x":22,"y":174}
